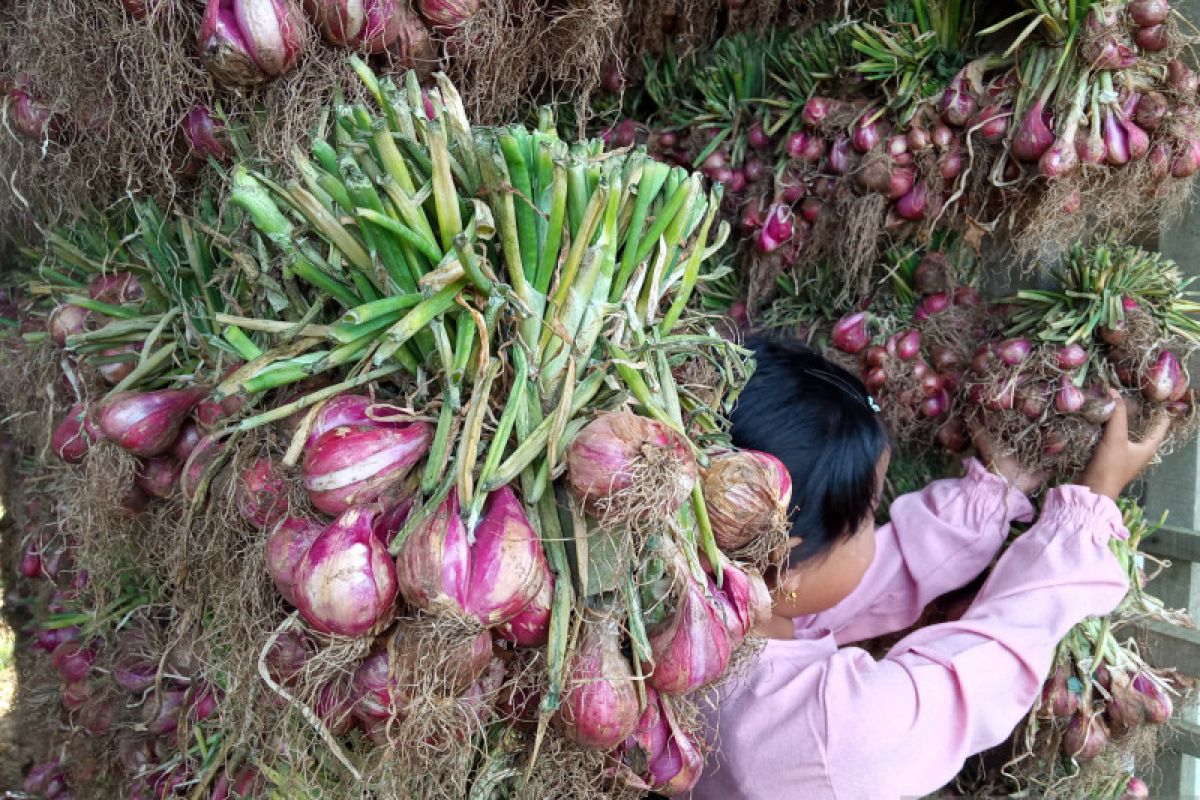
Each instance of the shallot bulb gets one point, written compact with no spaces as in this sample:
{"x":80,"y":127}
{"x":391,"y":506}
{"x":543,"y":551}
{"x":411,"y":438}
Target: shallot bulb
{"x":70,"y":440}
{"x":159,"y":476}
{"x":147,"y":423}
{"x":1165,"y":380}
{"x":286,"y":546}
{"x":691,"y":648}
{"x":508,"y":567}
{"x":249,"y":42}
{"x":1147,"y":13}
{"x":850,"y":334}
{"x":117,"y":288}
{"x":1033,"y":137}
{"x":958,"y":102}
{"x":743,"y":600}
{"x":1057,"y":698}
{"x":346,"y":582}
{"x":747,"y":494}
{"x":1182,"y":78}
{"x":206,"y":136}
{"x":446,"y":15}
{"x":777,"y":230}
{"x":662,"y":755}
{"x":67,"y":320}
{"x":619,"y":449}
{"x":600,"y":704}
{"x":493,"y":578}
{"x":531,"y":627}
{"x":353,"y":465}
{"x":262,"y":494}
{"x":1086,"y":736}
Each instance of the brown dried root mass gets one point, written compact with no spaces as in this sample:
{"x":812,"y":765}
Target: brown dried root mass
{"x":511,"y":53}
{"x":33,"y":395}
{"x":121,"y":88}
{"x":1123,"y":203}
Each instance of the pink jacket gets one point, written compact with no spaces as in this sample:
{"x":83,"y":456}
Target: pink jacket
{"x":814,"y":721}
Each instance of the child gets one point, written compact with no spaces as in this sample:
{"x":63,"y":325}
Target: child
{"x":815,"y":719}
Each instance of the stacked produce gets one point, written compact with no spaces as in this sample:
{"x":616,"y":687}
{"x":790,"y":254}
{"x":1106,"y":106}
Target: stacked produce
{"x":1101,"y":709}
{"x":1042,"y":127}
{"x":139,"y":95}
{"x":444,"y":397}
{"x":1034,"y":371}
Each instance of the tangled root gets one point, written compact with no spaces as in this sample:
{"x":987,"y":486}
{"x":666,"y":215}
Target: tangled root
{"x":565,"y":770}
{"x":509,"y":54}
{"x":1121,"y":202}
{"x":33,"y":397}
{"x":648,"y":503}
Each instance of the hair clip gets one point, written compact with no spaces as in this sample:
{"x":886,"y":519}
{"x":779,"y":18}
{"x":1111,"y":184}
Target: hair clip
{"x":874,"y":406}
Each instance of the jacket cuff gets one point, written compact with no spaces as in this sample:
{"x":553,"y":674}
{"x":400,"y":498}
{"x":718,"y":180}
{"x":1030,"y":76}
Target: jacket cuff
{"x":1080,"y":507}
{"x":982,"y":483}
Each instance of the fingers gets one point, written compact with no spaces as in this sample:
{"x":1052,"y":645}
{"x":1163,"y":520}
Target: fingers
{"x":1154,"y":438}
{"x":982,"y":443}
{"x":1117,"y":427}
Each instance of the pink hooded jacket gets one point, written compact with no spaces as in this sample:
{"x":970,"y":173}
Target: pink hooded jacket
{"x":814,"y":719}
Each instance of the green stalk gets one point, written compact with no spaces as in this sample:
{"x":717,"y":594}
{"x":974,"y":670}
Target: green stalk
{"x":331,"y":229}
{"x":318,"y":278}
{"x":535,"y":444}
{"x":708,"y":542}
{"x":423,"y":313}
{"x":522,"y":186}
{"x":554,"y":231}
{"x":445,"y":198}
{"x":468,"y":443}
{"x":470,"y":264}
{"x":245,"y":348}
{"x":344,"y":333}
{"x":435,"y":464}
{"x":437,"y":496}
{"x":464,"y":344}
{"x":144,"y":368}
{"x":368,"y":312}
{"x":564,"y":601}
{"x":673,"y":208}
{"x":515,"y":402}
{"x":648,"y":189}
{"x":410,"y":237}
{"x":107,"y":309}
{"x":691,"y":271}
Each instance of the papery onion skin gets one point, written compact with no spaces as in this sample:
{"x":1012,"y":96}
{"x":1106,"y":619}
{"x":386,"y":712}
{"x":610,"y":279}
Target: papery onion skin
{"x":147,"y":423}
{"x":67,"y":320}
{"x":447,"y":15}
{"x":434,"y":563}
{"x":70,"y":441}
{"x":691,"y":648}
{"x":603,"y":459}
{"x":531,"y":627}
{"x":159,"y":476}
{"x":508,"y":566}
{"x":747,"y":495}
{"x":286,"y":546}
{"x":355,"y":465}
{"x":263,"y":494}
{"x":346,"y":582}
{"x":248,"y":42}
{"x":600,"y":704}
{"x":203,"y":455}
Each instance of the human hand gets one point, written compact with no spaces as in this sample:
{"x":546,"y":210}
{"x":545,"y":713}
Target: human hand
{"x":1004,"y":464}
{"x":1117,"y":460}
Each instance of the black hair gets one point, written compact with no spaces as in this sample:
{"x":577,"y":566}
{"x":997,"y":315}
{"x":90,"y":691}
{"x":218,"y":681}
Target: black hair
{"x":819,"y":420}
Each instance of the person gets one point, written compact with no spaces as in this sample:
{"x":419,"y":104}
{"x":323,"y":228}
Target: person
{"x":815,"y":718}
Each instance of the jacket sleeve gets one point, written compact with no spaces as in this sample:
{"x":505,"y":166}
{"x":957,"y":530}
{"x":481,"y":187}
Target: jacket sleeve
{"x":939,"y":540}
{"x":904,"y":726}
